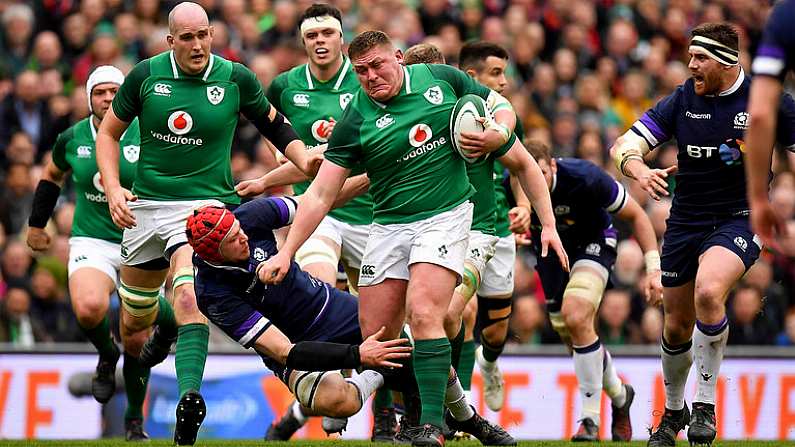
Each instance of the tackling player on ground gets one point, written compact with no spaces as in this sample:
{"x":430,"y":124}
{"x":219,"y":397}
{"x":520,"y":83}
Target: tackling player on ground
{"x":94,"y":253}
{"x":772,"y":62}
{"x":321,"y":320}
{"x":708,"y":243}
{"x":188,"y":102}
{"x":584,"y":198}
{"x":397,"y":127}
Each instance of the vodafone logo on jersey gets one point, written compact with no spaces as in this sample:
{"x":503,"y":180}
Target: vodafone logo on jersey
{"x":100,"y":196}
{"x":419,"y":134}
{"x":180,"y":122}
{"x":97,"y":180}
{"x":321,"y":130}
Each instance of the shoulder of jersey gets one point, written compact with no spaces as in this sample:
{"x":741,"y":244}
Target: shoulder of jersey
{"x":464,"y":118}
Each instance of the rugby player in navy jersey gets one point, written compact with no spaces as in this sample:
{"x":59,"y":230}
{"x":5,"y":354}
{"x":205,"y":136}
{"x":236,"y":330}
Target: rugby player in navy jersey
{"x":301,"y":324}
{"x":584,"y":197}
{"x":774,"y":58}
{"x":708,"y":243}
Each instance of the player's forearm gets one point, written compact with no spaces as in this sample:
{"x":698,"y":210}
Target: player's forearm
{"x":322,"y":356}
{"x":760,"y":137}
{"x":108,"y":160}
{"x":518,"y":193}
{"x":634,"y":168}
{"x":286,"y":174}
{"x":628,"y":152}
{"x":353,"y":187}
{"x":535,"y":187}
{"x":644,"y":232}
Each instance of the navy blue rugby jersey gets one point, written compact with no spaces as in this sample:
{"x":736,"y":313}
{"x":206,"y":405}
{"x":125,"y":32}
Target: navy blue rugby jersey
{"x":583,"y":197}
{"x":776,"y":53}
{"x":709,"y":132}
{"x":296,"y":304}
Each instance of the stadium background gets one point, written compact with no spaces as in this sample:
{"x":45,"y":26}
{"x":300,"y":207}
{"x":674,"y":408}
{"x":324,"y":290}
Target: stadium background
{"x":581,"y":72}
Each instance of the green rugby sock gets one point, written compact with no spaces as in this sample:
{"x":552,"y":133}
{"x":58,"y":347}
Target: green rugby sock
{"x":191,"y":355}
{"x":101,"y":339}
{"x":466,"y":364}
{"x":382,"y":399}
{"x":165,"y":317}
{"x":431,"y":368}
{"x":136,"y":378}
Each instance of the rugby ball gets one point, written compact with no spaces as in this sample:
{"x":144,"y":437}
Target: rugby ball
{"x":464,"y":118}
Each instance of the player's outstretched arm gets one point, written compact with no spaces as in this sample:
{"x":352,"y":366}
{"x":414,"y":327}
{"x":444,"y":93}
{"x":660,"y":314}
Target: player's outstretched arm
{"x":314,"y":205}
{"x":324,"y":356}
{"x":286,"y":174}
{"x":644,"y":233}
{"x":519,"y":216}
{"x":524,"y":167}
{"x":108,"y":136}
{"x":759,"y":139}
{"x":628,"y":152}
{"x":44,"y":200}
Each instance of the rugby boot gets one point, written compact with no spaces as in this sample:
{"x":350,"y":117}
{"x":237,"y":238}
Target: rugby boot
{"x":672,"y":422}
{"x":190,"y":414}
{"x":156,"y":348}
{"x":588,"y":431}
{"x":621,"y":427}
{"x":384,"y":425}
{"x":493,"y":389}
{"x":134,"y":430}
{"x":428,"y":435}
{"x":483,"y":430}
{"x":103,"y":383}
{"x":702,"y":424}
{"x":285,"y":428}
{"x":333,"y":425}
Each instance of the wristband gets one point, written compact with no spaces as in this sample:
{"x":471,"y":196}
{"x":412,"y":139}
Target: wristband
{"x":44,"y":201}
{"x":652,"y":259}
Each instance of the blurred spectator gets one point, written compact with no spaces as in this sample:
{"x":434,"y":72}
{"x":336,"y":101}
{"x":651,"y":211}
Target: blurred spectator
{"x":527,"y":320}
{"x":748,"y":325}
{"x":129,"y":36}
{"x":651,"y":326}
{"x":50,"y":305}
{"x":284,"y":28}
{"x":17,"y":325}
{"x":18,"y":27}
{"x":17,"y":198}
{"x":629,"y":264}
{"x":16,"y":263}
{"x":47,"y":54}
{"x":76,"y":37}
{"x":787,"y":336}
{"x":104,"y":50}
{"x":614,"y":325}
{"x":632,"y":102}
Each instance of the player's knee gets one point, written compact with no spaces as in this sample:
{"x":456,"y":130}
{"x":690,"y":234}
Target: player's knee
{"x":90,"y":307}
{"x":134,"y":342}
{"x":678,"y":329}
{"x":577,"y":318}
{"x":709,"y":295}
{"x":337,"y":398}
{"x":425,"y":317}
{"x":496,"y":333}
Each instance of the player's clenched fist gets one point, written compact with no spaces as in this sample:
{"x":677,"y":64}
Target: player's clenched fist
{"x":375,"y":353}
{"x":273,"y":270}
{"x":38,"y":239}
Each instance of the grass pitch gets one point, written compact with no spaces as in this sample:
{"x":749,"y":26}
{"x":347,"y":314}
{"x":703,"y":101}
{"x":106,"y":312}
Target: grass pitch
{"x":339,"y":443}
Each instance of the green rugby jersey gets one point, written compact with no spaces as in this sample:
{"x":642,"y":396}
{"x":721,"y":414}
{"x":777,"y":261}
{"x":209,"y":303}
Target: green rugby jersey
{"x":309,"y":104}
{"x":404,"y":145}
{"x":187,"y":123}
{"x":75,"y":150}
{"x":502,"y":223}
{"x":481,"y":176}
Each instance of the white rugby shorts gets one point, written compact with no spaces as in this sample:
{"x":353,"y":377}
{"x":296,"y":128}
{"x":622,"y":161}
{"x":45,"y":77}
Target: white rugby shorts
{"x":352,"y":239}
{"x":95,"y":253}
{"x":497,"y":279}
{"x":441,"y":239}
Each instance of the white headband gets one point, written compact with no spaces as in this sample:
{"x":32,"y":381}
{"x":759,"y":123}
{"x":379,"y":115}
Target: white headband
{"x":320,"y":22}
{"x":714,"y":50}
{"x":102,"y":75}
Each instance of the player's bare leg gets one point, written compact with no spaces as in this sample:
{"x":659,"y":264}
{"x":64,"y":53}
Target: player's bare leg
{"x":719,"y":269}
{"x":679,"y":318}
{"x":90,"y":289}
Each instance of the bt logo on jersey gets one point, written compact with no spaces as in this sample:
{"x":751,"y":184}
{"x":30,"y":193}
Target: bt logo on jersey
{"x":700,"y":151}
{"x":180,"y":122}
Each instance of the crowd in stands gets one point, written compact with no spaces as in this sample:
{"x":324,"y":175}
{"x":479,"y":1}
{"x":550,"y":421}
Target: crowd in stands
{"x":581,"y":72}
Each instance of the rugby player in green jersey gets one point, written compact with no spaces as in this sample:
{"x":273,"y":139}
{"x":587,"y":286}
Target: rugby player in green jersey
{"x":313,"y":96}
{"x":397,"y":128}
{"x":94,"y":253}
{"x":187,"y":101}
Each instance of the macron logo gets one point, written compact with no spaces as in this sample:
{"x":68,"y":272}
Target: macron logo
{"x":698,"y":116}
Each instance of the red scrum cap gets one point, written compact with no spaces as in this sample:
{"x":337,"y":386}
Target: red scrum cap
{"x":206,"y":229}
